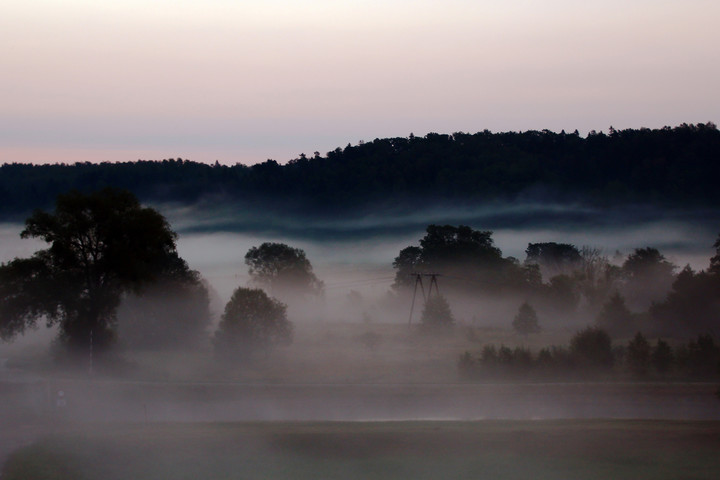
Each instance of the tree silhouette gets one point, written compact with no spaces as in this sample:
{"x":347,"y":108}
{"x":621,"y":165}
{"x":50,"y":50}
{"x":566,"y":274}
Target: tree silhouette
{"x":252,"y":321}
{"x":553,"y":258}
{"x":715,"y":260}
{"x":466,"y":257}
{"x":282,"y":269}
{"x":526,"y":320}
{"x":662,"y":357}
{"x":669,"y":166}
{"x":638,"y":355}
{"x":102,"y":245}
{"x":615,"y":317}
{"x":561,"y":294}
{"x":408,"y":261}
{"x":436,"y":315}
{"x":592,"y":347}
{"x":692,"y":305}
{"x":648,"y":277}
{"x":174,"y":311}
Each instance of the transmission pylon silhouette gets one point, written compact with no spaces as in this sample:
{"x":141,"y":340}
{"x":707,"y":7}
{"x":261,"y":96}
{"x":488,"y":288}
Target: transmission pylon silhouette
{"x":419,"y":282}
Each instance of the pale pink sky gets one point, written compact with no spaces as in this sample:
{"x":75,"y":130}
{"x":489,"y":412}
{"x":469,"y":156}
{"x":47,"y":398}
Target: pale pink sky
{"x":243,"y":81}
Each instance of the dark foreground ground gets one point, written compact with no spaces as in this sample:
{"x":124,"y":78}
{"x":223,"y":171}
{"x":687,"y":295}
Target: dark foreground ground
{"x":492,"y":449}
{"x":109,"y":429}
{"x":100,"y":401}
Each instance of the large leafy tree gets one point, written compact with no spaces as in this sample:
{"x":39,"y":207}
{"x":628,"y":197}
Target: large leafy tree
{"x":436,"y":315}
{"x":693,"y":303}
{"x":252,"y":321}
{"x":101,"y":245}
{"x":648,"y":277}
{"x":616,"y":318}
{"x":468,"y":259}
{"x":553,"y":258}
{"x":596,"y":280}
{"x":284,"y":270}
{"x":174,"y":311}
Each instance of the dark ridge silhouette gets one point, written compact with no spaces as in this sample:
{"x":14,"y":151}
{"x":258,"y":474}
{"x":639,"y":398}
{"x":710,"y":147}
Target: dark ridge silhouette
{"x":668,"y":167}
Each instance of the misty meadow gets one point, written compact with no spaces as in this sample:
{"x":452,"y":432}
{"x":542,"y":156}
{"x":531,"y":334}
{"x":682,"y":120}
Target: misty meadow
{"x":533,"y":277}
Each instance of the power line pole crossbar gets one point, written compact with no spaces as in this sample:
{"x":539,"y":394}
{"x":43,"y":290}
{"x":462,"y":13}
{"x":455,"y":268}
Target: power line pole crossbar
{"x":418,"y":281}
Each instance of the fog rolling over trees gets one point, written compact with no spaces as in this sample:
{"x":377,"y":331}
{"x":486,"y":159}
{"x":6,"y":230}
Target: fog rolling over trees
{"x":526,"y":321}
{"x":252,"y":322}
{"x":563,"y":284}
{"x":172,"y":312}
{"x":101,"y":246}
{"x":259,"y":312}
{"x":121,"y":290}
{"x":496,"y":231}
{"x":483,"y":285}
{"x":285,"y":273}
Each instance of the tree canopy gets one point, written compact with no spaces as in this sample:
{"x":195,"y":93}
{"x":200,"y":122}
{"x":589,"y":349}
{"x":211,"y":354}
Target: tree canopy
{"x":647,"y":277}
{"x":172,"y":312}
{"x":592,"y":347}
{"x":553,"y":258}
{"x":436,"y":315}
{"x":693,"y":303}
{"x":616,"y":318}
{"x":463,"y":255}
{"x":284,"y":270}
{"x":101,"y":245}
{"x":252,"y":321}
{"x":526,"y":320}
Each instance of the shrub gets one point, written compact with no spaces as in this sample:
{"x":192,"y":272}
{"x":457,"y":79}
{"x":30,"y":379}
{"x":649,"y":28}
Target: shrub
{"x":252,"y":321}
{"x":662,"y":358}
{"x":437,"y":315}
{"x":592,"y":347}
{"x":526,"y":320}
{"x":638,"y":355}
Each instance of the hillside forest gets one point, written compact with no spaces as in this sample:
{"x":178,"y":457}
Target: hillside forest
{"x":111,"y":278}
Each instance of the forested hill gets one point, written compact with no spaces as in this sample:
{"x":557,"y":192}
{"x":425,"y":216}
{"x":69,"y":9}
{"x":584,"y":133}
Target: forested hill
{"x":671,"y":166}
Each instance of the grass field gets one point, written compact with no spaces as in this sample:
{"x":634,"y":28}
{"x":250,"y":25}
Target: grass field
{"x":338,"y":352}
{"x":587,"y":449}
{"x":331,"y":373}
{"x":322,"y":352}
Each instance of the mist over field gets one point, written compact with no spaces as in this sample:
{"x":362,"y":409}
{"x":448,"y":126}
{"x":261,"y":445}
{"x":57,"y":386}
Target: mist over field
{"x":415,"y":240}
{"x":353,"y":356}
{"x":361,"y":248}
{"x":356,"y":252}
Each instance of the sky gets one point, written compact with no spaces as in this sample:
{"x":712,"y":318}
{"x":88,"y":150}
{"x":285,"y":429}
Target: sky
{"x":245,"y":81}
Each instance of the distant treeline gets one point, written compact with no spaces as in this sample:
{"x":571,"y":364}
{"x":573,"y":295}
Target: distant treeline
{"x":670,"y":166}
{"x":592,"y":354}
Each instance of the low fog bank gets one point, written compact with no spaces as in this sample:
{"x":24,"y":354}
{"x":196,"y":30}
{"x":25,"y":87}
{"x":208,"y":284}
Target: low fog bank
{"x":353,"y":257}
{"x":677,"y":229}
{"x":357,"y":274}
{"x":362,"y":261}
{"x":73,"y":401}
{"x":357,"y":251}
{"x":357,"y":353}
{"x":333,"y":372}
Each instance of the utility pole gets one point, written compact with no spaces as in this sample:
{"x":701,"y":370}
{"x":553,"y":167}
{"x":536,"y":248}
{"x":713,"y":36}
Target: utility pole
{"x":418,"y":281}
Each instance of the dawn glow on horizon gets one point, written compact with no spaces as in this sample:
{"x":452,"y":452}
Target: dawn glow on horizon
{"x":241,"y":82}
